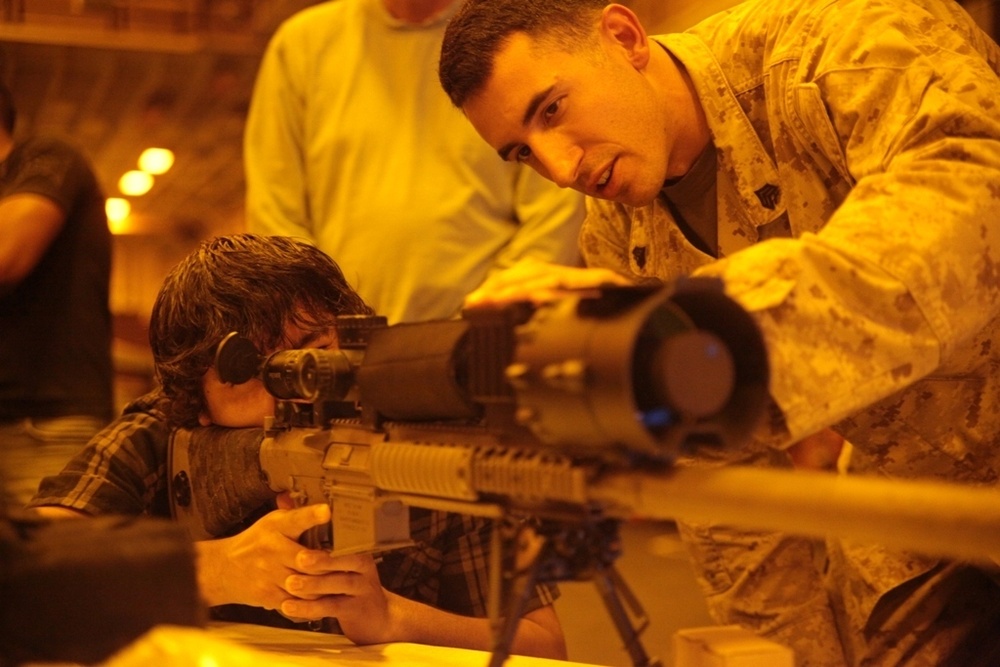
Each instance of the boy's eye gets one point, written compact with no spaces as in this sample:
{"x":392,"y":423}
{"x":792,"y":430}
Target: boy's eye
{"x":522,"y":154}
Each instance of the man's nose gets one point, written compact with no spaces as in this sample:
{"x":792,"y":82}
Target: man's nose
{"x":559,"y":161}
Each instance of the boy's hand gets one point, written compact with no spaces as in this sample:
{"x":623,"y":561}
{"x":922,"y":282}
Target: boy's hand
{"x":346,"y":588}
{"x":252,"y":567}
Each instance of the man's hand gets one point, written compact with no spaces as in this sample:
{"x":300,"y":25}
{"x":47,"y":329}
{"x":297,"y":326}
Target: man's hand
{"x":538,"y":281}
{"x":819,"y":451}
{"x":252,"y":568}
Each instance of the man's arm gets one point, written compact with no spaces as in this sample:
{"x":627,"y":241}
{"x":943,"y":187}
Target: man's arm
{"x":28,"y":225}
{"x":549,"y":220}
{"x":276,"y":198}
{"x":918,"y":128}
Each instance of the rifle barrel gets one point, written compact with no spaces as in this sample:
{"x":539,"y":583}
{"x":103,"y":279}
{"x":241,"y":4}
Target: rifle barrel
{"x":924,"y":516}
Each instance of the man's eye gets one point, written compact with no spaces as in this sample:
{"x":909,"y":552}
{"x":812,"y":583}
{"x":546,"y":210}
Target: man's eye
{"x":522,"y":154}
{"x":551,"y":110}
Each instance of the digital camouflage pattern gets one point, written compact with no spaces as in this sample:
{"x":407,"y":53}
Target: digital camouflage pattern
{"x":858,"y":189}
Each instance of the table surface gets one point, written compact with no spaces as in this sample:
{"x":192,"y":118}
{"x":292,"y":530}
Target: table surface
{"x":243,"y":645}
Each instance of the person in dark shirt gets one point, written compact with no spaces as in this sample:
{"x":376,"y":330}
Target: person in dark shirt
{"x":55,"y":320}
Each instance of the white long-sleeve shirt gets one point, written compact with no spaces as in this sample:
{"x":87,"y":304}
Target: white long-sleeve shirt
{"x":351,"y":143}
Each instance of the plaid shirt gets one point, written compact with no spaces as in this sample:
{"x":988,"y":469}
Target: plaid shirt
{"x":124,"y":470}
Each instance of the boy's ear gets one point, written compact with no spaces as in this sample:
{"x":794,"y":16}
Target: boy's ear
{"x":204,"y":419}
{"x":622,"y":28}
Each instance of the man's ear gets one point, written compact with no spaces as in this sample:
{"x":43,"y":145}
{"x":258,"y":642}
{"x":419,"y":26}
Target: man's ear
{"x":622,"y":28}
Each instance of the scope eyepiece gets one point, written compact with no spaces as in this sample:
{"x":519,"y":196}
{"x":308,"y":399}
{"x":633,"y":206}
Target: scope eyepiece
{"x":237,"y":359}
{"x":309,"y":374}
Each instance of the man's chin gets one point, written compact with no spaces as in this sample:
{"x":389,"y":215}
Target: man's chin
{"x":628,"y":197}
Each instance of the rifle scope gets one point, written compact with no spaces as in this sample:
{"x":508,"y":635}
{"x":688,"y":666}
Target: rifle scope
{"x":653,"y":371}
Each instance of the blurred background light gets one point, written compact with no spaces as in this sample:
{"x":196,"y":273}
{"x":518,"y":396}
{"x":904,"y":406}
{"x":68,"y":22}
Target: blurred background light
{"x":135,"y":183}
{"x":118,"y":211}
{"x":156,"y":161}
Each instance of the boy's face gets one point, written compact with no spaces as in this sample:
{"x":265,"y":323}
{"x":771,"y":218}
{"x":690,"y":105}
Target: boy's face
{"x":247,"y":404}
{"x":588,"y":120}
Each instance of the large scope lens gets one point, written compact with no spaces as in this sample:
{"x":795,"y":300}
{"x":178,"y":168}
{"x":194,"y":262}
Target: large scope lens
{"x":640,"y":371}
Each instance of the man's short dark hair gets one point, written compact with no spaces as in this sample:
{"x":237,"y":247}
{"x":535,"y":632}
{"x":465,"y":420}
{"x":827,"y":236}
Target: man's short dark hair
{"x":248,"y":283}
{"x":8,"y":112}
{"x":480,"y":28}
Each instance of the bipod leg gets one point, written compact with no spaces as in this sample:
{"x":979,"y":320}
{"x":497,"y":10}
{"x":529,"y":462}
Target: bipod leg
{"x":517,"y":592}
{"x":614,"y":590}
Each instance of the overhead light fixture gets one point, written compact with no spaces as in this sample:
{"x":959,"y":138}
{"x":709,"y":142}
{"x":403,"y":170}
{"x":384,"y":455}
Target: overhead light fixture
{"x":135,"y":183}
{"x":118,"y":210}
{"x":156,"y":161}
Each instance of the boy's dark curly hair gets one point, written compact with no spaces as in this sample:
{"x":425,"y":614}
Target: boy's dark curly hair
{"x":248,"y":283}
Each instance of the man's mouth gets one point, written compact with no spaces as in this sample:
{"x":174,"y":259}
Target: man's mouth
{"x":605,"y":177}
{"x":597,"y":186}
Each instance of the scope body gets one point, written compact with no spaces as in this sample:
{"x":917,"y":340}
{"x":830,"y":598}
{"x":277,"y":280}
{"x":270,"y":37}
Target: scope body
{"x":620,"y":371}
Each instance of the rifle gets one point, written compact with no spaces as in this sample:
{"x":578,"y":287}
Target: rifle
{"x":573,"y":412}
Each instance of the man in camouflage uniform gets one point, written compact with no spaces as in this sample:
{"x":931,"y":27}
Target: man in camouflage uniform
{"x":837,"y":164}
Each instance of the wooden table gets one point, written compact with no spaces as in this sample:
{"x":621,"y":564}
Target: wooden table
{"x":243,"y":645}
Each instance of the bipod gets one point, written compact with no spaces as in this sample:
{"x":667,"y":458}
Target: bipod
{"x":554,"y":551}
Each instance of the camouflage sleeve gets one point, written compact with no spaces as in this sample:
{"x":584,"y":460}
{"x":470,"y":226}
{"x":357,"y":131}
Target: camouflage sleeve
{"x":905,"y":272}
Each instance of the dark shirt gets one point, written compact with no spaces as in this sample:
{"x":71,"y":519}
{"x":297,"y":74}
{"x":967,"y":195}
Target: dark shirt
{"x":55,"y":325}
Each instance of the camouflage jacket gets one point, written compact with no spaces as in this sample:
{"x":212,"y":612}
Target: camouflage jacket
{"x":858,"y":198}
{"x":858,"y":182}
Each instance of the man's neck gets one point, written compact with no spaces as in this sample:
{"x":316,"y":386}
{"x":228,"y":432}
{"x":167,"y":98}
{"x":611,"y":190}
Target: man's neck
{"x":415,"y":11}
{"x":686,"y":114}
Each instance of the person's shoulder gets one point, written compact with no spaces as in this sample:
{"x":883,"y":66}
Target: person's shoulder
{"x":325,"y":17}
{"x":49,"y":144}
{"x":48,"y":153}
{"x":153,"y":405}
{"x":142,"y":425}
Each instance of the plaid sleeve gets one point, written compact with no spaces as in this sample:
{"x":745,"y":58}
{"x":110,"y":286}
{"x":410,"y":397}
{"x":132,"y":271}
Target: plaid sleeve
{"x":122,"y":470}
{"x":449,"y":566}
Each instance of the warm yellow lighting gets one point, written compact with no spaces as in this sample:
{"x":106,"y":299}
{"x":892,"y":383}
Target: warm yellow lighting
{"x":135,"y":183}
{"x":156,"y":161}
{"x":118,"y":210}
